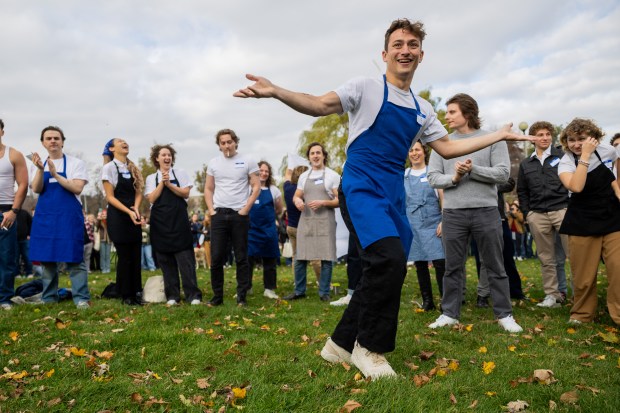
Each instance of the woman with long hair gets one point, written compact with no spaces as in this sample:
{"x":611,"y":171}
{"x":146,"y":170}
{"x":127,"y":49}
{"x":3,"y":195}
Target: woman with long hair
{"x":123,"y":185}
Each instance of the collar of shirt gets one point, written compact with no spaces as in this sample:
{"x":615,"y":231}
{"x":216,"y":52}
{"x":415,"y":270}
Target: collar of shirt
{"x":546,"y":153}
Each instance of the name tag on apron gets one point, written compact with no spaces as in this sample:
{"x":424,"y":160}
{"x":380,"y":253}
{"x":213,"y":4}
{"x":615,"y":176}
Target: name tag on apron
{"x":554,"y":162}
{"x":126,"y":175}
{"x":318,"y":181}
{"x":425,"y":179}
{"x":257,"y":201}
{"x":52,"y":180}
{"x":239,"y":164}
{"x":608,"y":163}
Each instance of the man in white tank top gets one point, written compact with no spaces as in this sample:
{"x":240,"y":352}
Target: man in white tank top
{"x":12,"y":170}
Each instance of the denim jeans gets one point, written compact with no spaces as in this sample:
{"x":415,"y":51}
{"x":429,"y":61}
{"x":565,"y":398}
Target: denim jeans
{"x":79,"y":281}
{"x":324,"y":282}
{"x":560,"y":259}
{"x":147,"y":258}
{"x":23,"y":252}
{"x":8,"y":251}
{"x":104,"y":256}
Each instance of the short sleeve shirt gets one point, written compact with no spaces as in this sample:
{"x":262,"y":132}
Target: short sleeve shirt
{"x":331,"y":181}
{"x":180,"y":174}
{"x":232,"y":185}
{"x":608,"y":154}
{"x":76,"y":169}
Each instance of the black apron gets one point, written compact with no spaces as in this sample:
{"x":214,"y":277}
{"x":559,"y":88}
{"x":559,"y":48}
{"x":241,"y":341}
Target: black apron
{"x":170,"y":227}
{"x":594,"y":211}
{"x":121,"y":228}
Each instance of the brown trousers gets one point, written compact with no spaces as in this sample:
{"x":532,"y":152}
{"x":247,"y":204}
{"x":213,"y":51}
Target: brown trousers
{"x":586,"y":253}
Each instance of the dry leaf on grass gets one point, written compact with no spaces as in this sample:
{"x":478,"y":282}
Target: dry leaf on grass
{"x":452,"y":398}
{"x":61,"y":325}
{"x":488,"y":367}
{"x":473,"y":404}
{"x":570,"y":397}
{"x":544,"y":376}
{"x":517,"y":406}
{"x":202,"y":383}
{"x":426,"y":355}
{"x":349,"y":406}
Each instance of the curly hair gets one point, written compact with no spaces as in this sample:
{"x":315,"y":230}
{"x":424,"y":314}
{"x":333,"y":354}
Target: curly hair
{"x":155,"y":153}
{"x":536,"y":126}
{"x":415,"y":28}
{"x":270,"y":180}
{"x":579,"y":127}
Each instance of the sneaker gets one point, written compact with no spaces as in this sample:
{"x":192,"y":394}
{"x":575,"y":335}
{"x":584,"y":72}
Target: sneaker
{"x":171,"y":302}
{"x":509,"y":324}
{"x":195,"y":301}
{"x":341,"y":301}
{"x":294,"y":296}
{"x":324,"y":298}
{"x":549,"y":302}
{"x":482,"y":302}
{"x":333,"y":353}
{"x":83,"y":305}
{"x":373,"y":365}
{"x":574,"y":321}
{"x":6,"y":306}
{"x":18,"y":300}
{"x":270,"y":294}
{"x":519,"y":258}
{"x":442,"y":321}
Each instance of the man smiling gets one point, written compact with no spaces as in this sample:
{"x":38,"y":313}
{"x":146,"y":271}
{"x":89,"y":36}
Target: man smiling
{"x":385,"y":118}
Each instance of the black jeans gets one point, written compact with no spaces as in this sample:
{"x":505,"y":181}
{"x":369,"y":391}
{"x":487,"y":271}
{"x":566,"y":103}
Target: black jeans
{"x":269,"y":271}
{"x":371,"y":317}
{"x":225,"y":224}
{"x":354,"y":265}
{"x":173,"y":263}
{"x":129,"y":269}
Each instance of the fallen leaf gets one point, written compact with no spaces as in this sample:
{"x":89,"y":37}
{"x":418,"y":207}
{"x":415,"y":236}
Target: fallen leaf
{"x":54,"y":402}
{"x":473,"y":404}
{"x":265,"y":327}
{"x":77,"y":352}
{"x":552,"y":406}
{"x":609,"y":337}
{"x":452,"y":398}
{"x":412,"y":366}
{"x":311,"y":374}
{"x":136,"y":398}
{"x":512,"y":348}
{"x":14,"y":335}
{"x":202,"y":383}
{"x":544,"y":376}
{"x":601,"y":357}
{"x":488,"y":367}
{"x":50,"y":373}
{"x":491,"y":394}
{"x":185,"y":401}
{"x":316,"y":323}
{"x":517,"y":406}
{"x":469,"y":327}
{"x":358,"y":377}
{"x":571,"y":330}
{"x":482,"y":350}
{"x":569,"y":397}
{"x":358,"y":391}
{"x":60,"y":324}
{"x":426,"y":355}
{"x":346,"y":366}
{"x":239,"y":393}
{"x":583,"y":356}
{"x":594,"y":390}
{"x":349,"y":406}
{"x":420,"y":380}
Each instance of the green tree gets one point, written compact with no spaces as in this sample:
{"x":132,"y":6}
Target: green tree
{"x":200,"y":177}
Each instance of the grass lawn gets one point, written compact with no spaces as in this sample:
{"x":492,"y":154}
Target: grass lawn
{"x":265,"y":358}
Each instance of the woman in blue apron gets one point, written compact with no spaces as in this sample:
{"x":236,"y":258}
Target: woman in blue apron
{"x":263,"y":233}
{"x":592,"y":220}
{"x":123,"y":184}
{"x":171,"y":234}
{"x":57,"y":233}
{"x":424,"y":214}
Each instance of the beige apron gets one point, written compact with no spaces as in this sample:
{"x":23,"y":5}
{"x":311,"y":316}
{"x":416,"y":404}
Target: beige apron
{"x":316,"y":232}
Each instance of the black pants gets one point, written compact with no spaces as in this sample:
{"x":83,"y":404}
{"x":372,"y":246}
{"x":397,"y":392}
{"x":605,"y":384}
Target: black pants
{"x":371,"y":317}
{"x":225,"y":224}
{"x":354,"y":265}
{"x":424,"y":275}
{"x":129,"y":269}
{"x":269,"y":271}
{"x":172,"y":264}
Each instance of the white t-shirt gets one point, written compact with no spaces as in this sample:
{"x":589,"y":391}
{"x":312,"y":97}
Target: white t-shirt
{"x":418,"y":173}
{"x":331,"y":181}
{"x":608,"y":154}
{"x":362,"y":98}
{"x":275,"y":193}
{"x":232,"y":182}
{"x":110,"y":174}
{"x":76,"y":169}
{"x":180,"y":174}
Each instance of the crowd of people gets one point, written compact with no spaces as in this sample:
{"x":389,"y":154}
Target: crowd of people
{"x":447,"y":203}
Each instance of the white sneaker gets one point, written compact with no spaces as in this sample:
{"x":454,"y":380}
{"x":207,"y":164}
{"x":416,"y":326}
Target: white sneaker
{"x":341,"y":301}
{"x":574,"y":321}
{"x":442,"y":321}
{"x":270,"y":294}
{"x":83,"y":305}
{"x":6,"y":306}
{"x":18,"y":300}
{"x":171,"y":302}
{"x":373,"y":365}
{"x":195,"y":301}
{"x":549,"y":302}
{"x":509,"y":324}
{"x":333,"y":353}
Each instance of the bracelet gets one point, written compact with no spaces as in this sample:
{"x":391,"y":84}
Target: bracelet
{"x":584,"y":163}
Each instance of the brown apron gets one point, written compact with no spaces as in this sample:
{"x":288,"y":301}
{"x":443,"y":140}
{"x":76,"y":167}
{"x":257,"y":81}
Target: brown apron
{"x":316,"y":233}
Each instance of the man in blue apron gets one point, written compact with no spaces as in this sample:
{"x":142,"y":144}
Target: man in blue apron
{"x":385,"y":118}
{"x":12,"y":170}
{"x":58,"y":224}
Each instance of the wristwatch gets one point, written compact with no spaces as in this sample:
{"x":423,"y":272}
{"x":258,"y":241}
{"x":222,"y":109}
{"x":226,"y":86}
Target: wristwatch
{"x":15,"y":210}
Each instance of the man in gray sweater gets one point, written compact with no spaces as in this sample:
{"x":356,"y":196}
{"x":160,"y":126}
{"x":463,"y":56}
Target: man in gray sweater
{"x":470,"y":209}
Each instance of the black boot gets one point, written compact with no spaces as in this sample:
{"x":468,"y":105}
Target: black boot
{"x":424,"y":281}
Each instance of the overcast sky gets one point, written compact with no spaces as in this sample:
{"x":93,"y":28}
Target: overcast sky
{"x":164,"y":71}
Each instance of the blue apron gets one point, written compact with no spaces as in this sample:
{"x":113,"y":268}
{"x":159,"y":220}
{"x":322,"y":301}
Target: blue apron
{"x":372,"y":180}
{"x":263,"y":234}
{"x":57,"y":233}
{"x":424,"y":214}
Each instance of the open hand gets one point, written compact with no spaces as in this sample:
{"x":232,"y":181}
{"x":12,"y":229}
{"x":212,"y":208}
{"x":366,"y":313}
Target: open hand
{"x":262,"y":88}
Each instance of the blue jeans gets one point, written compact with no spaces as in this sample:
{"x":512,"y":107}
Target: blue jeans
{"x":324,"y":282}
{"x":104,"y":256}
{"x":23,"y":252}
{"x":79,"y":281}
{"x":8,"y":251}
{"x":147,"y":258}
{"x":560,"y":259}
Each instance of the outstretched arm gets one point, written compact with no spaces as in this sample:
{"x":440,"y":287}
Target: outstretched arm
{"x":326,"y":104}
{"x":449,"y":149}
